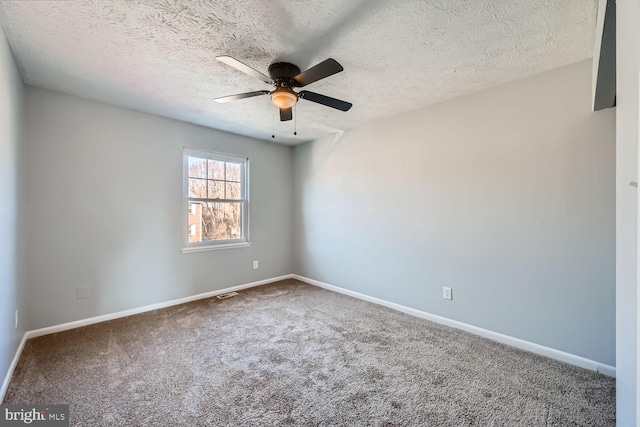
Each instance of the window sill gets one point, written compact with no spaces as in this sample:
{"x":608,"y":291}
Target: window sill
{"x":203,"y":248}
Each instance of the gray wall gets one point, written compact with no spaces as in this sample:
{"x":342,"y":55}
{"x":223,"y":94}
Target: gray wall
{"x":105,"y":210}
{"x":11,"y":202}
{"x":506,"y":195}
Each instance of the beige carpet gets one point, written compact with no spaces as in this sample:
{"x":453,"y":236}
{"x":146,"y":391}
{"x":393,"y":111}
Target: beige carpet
{"x":293,"y":354}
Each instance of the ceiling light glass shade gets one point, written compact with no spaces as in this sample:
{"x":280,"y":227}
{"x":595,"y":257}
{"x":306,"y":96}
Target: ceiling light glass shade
{"x":283,"y":97}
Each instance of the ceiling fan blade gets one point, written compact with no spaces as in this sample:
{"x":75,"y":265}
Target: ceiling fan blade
{"x":244,"y":68}
{"x":325,"y":100}
{"x":241,"y":96}
{"x":324,"y":69}
{"x":286,"y":114}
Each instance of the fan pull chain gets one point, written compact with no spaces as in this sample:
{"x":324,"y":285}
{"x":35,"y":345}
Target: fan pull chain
{"x":273,"y":122}
{"x":295,"y":119}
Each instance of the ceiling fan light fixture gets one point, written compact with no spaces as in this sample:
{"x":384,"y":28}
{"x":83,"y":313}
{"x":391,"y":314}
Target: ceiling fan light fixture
{"x":283,"y":97}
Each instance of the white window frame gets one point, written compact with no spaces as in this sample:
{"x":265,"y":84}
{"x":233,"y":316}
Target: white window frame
{"x":214,"y":244}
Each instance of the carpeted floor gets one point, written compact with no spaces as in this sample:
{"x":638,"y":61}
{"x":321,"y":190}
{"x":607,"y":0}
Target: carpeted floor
{"x":293,"y":354}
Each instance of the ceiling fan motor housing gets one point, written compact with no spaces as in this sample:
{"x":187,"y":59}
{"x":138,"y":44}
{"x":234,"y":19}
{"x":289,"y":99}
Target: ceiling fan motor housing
{"x":282,"y":73}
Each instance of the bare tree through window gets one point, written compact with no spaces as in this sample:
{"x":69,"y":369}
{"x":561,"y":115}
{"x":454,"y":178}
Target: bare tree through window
{"x":216,"y":198}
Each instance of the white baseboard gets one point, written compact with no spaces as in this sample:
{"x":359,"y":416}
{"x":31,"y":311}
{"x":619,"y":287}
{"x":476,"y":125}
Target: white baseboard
{"x":505,"y":339}
{"x":119,"y":314}
{"x":495,"y":336}
{"x":12,"y":367}
{"x":90,"y":321}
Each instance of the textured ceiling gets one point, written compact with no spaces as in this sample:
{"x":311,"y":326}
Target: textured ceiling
{"x":159,"y":56}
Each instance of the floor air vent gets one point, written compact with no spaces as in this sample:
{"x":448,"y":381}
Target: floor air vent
{"x":227,"y":295}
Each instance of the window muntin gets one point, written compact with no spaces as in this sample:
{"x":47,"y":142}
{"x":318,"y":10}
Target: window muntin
{"x":216,"y":199}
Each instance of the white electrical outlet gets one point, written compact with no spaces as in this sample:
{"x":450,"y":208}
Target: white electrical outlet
{"x":446,"y":293}
{"x":255,"y":265}
{"x":16,"y":319}
{"x":82,"y":292}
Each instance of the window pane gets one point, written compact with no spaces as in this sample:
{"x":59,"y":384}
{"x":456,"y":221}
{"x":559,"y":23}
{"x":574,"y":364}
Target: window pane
{"x":233,"y":191}
{"x":197,"y":188}
{"x":195,"y":223}
{"x":197,"y":167}
{"x":211,"y":179}
{"x":221,"y":221}
{"x":216,"y":189}
{"x":233,"y":171}
{"x":216,"y":169}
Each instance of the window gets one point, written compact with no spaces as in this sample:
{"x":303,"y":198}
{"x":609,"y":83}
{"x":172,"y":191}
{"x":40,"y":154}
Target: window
{"x":216,"y":202}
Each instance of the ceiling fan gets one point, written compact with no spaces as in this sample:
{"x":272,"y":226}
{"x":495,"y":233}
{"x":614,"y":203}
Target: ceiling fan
{"x":285,"y":76}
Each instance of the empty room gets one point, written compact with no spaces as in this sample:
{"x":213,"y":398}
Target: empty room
{"x":360,"y":213}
